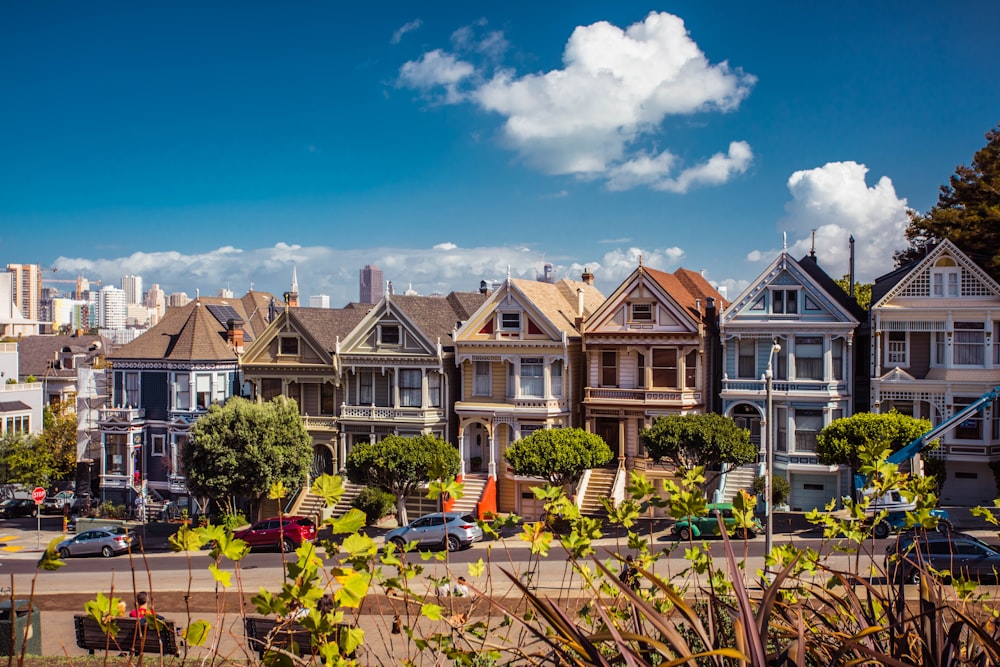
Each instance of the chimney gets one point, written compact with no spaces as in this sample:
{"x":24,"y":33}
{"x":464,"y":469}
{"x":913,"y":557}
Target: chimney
{"x":579,"y":303}
{"x":587,"y":276}
{"x":234,"y":334}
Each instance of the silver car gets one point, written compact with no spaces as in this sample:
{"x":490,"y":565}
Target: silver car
{"x":451,"y":530}
{"x":108,"y":541}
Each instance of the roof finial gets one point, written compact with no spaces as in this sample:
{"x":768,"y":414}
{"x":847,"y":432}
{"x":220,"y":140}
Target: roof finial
{"x":508,"y":272}
{"x":295,"y":280}
{"x":784,"y":241}
{"x":640,"y":259}
{"x":812,"y":251}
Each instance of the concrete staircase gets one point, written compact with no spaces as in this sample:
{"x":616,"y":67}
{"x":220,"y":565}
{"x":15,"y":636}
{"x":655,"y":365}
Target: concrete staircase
{"x":739,"y":478}
{"x":602,"y":480}
{"x":309,"y":504}
{"x":474,"y":485}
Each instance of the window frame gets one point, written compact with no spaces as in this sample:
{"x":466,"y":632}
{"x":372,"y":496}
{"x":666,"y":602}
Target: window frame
{"x":288,"y":346}
{"x":528,"y":383}
{"x":606,"y":370}
{"x":782,"y":298}
{"x":634,"y":309}
{"x":902,"y":361}
{"x":510,"y":320}
{"x":661,"y":372}
{"x":158,"y":444}
{"x":397,"y":334}
{"x":799,"y":367}
{"x":407,"y":391}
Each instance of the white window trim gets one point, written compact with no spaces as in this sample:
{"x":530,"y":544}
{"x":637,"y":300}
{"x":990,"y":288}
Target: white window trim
{"x":281,"y":344}
{"x":642,"y":320}
{"x":399,"y":332}
{"x":504,"y":327}
{"x":488,"y":376}
{"x":795,"y":289}
{"x":158,"y":446}
{"x":906,"y":351}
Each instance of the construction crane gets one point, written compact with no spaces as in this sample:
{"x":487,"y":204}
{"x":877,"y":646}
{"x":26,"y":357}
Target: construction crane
{"x":79,"y":282}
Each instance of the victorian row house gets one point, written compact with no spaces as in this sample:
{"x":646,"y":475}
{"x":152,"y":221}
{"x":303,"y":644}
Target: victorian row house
{"x":936,"y":349}
{"x":797,"y":325}
{"x":161,"y":382}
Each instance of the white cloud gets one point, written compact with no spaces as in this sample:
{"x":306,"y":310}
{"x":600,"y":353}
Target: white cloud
{"x":403,"y":29}
{"x":595,"y":117}
{"x":836,"y":202}
{"x":437,"y":68}
{"x":324,"y":270}
{"x":492,"y":45}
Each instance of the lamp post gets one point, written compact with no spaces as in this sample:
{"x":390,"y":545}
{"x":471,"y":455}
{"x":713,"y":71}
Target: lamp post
{"x":769,"y":449}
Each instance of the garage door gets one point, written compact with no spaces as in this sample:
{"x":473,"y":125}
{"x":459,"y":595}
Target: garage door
{"x":968,"y":485}
{"x":529,"y":508}
{"x":811,"y":492}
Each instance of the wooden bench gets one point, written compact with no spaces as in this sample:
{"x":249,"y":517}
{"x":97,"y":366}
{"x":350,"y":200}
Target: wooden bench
{"x":268,"y":632}
{"x":134,"y":636}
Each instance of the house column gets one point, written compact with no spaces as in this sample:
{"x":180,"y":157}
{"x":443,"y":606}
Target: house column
{"x":343,"y":452}
{"x":462,"y":449}
{"x":424,"y":396}
{"x":491,"y":467}
{"x":394,"y":375}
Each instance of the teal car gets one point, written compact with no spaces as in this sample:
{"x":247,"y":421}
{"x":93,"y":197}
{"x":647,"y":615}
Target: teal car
{"x":698,"y":526}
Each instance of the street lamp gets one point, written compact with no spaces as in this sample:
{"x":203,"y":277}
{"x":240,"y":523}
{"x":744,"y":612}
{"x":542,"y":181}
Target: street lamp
{"x":769,"y":449}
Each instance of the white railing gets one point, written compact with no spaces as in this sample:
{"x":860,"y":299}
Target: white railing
{"x":641,"y":395}
{"x":784,"y":386}
{"x":378,"y":413}
{"x":122,"y":414}
{"x":326,"y":422}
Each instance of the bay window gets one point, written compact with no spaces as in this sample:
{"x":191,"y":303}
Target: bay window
{"x":609,"y":368}
{"x":808,"y":358}
{"x":434,"y":389}
{"x":556,"y":373}
{"x":410,"y":389}
{"x":969,"y":344}
{"x":746,"y":364}
{"x":532,"y":377}
{"x":664,"y":367}
{"x":481,"y":378}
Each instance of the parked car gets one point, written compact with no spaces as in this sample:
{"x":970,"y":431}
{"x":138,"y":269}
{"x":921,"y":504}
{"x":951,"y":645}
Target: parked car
{"x":15,"y":507}
{"x":55,"y":504}
{"x":950,"y":554}
{"x":697,"y":526}
{"x":108,"y":541}
{"x":451,"y":530}
{"x":286,"y":533}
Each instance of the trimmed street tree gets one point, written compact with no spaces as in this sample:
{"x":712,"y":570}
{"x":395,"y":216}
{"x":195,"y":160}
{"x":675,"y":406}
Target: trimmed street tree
{"x":242,"y":448}
{"x":24,"y":460}
{"x":841,"y":441}
{"x":59,"y":438}
{"x":967,"y":212}
{"x":400,"y":465}
{"x":690,"y":441}
{"x":559,"y":455}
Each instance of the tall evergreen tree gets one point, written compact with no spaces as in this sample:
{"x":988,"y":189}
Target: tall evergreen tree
{"x":967,"y":212}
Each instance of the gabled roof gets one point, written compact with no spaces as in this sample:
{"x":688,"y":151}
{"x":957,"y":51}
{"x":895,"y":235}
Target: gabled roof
{"x":193,"y":333}
{"x":687,"y":288}
{"x":329,"y":325}
{"x":438,"y":317}
{"x":558,"y":301}
{"x":907,"y":281}
{"x":784,"y":269}
{"x":39,"y":355}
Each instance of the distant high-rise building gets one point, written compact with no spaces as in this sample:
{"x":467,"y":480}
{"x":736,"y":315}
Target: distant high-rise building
{"x":112,"y":310}
{"x":133,"y":289}
{"x":178,"y":299}
{"x":319,"y":301}
{"x":226,"y":293}
{"x":156,"y":299}
{"x":371,"y":284}
{"x":27,"y":288}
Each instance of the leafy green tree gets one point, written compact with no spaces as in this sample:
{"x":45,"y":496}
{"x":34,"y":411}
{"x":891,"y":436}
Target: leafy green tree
{"x":59,"y":438}
{"x":698,"y":440}
{"x":967,"y":212}
{"x":844,"y":441}
{"x":242,"y":448}
{"x":559,"y":455}
{"x":862,"y":291}
{"x":400,"y":465}
{"x":25,"y":461}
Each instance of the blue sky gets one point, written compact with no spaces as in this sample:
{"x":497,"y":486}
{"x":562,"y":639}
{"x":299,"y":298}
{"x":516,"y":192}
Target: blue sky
{"x":209,"y":144}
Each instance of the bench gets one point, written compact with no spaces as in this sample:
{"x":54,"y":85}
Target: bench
{"x":134,"y":636}
{"x":268,"y":632}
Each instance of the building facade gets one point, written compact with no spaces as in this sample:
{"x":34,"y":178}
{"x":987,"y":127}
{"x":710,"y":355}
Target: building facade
{"x":936,"y":348}
{"x":796,"y":319}
{"x":371,"y":283}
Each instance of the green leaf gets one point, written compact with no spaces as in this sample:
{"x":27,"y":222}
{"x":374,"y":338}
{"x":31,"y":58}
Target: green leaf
{"x":49,"y":559}
{"x":329,"y":487}
{"x":351,"y":639}
{"x":359,"y":545}
{"x":351,"y":522}
{"x":433,"y":612}
{"x":477,"y":569}
{"x":196,"y":633}
{"x":219,"y":575}
{"x":186,"y":539}
{"x":353,"y":588}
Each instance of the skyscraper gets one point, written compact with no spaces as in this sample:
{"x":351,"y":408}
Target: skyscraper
{"x":371,"y":284}
{"x":27,"y":288}
{"x":133,"y":289}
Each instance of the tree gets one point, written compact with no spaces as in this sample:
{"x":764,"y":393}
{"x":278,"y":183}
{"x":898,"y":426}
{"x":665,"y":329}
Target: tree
{"x":24,"y":460}
{"x":862,"y":291}
{"x":707,"y":440}
{"x":242,"y":448}
{"x":400,"y":465}
{"x":967,"y":212}
{"x":841,"y":441}
{"x":559,"y":455}
{"x":59,"y":438}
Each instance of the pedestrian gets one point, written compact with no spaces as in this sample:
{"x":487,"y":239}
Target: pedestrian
{"x":325,"y":604}
{"x":462,"y":588}
{"x":629,"y":574}
{"x":143,"y":608}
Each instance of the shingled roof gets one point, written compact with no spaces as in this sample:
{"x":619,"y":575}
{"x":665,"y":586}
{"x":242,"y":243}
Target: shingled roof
{"x":41,"y":355}
{"x":438,"y":316}
{"x":559,"y":301}
{"x":192,"y":333}
{"x":687,"y":288}
{"x":328,"y":325}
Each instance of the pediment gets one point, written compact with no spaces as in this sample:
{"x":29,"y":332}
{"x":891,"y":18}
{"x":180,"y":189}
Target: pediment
{"x":640,"y":304}
{"x":285,"y":340}
{"x":897,"y":375}
{"x":508,"y":315}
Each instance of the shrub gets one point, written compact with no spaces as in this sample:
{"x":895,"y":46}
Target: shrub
{"x":375,"y":503}
{"x":108,"y":510}
{"x":781,"y":490}
{"x":232,"y":520}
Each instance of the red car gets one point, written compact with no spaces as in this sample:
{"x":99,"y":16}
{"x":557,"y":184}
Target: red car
{"x":286,"y":533}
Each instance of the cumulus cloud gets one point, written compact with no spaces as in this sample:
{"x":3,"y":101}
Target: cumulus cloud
{"x":437,"y":69}
{"x":441,"y":268}
{"x":470,"y":39}
{"x":836,"y":201}
{"x":596,"y":117}
{"x":403,"y":29}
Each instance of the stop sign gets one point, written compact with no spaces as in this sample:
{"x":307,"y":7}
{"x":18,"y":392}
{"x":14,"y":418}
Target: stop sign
{"x":38,"y":495}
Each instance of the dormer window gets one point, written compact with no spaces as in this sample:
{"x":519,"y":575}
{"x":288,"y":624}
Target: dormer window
{"x":945,"y":278}
{"x":510,"y":321}
{"x":784,"y":301}
{"x":288,"y":346}
{"x":641,"y":312}
{"x":389,"y":334}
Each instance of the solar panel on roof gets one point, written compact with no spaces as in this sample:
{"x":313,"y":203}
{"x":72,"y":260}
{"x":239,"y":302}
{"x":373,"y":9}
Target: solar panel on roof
{"x":224,"y":313}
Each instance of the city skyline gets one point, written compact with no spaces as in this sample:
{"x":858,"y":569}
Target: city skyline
{"x":219,"y":147}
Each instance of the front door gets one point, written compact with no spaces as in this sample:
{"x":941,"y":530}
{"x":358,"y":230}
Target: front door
{"x":610,"y":431}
